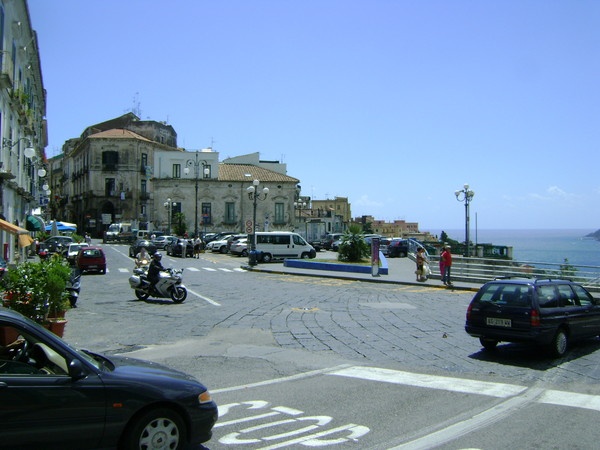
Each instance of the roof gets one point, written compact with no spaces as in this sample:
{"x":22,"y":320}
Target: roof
{"x":249,"y":172}
{"x":118,"y":133}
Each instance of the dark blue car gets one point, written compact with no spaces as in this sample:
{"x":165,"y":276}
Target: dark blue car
{"x":55,"y":396}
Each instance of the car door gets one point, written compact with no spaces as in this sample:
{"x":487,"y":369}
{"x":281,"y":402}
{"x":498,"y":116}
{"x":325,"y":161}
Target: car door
{"x":590,"y":308}
{"x":40,"y":409}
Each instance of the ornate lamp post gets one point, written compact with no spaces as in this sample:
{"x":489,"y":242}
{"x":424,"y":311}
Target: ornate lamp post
{"x":254,"y":195}
{"x":196,"y":163}
{"x":465,"y":195}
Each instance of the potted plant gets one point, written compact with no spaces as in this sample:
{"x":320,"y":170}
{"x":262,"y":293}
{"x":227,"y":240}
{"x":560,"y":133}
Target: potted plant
{"x":37,"y":290}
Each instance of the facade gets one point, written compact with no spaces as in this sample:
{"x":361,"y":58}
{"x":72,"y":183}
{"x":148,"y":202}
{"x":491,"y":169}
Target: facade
{"x":104,"y":176}
{"x":128,"y":170}
{"x":22,"y":125}
{"x":213,"y":196}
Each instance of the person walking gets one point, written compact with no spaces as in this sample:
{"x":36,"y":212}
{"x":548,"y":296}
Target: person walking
{"x":446,"y":258}
{"x":197,"y":247}
{"x":421,"y":261}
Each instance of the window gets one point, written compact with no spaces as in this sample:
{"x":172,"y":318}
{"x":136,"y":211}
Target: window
{"x":176,"y":170}
{"x":548,"y":297}
{"x":206,"y":214}
{"x":279,"y":214}
{"x":229,"y":213}
{"x":110,"y":160}
{"x":109,"y":187}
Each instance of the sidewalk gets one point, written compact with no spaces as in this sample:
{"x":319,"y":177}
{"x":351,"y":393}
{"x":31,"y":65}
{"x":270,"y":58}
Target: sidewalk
{"x":400,"y":271}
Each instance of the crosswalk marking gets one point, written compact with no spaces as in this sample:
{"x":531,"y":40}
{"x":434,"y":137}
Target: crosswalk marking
{"x":192,"y":269}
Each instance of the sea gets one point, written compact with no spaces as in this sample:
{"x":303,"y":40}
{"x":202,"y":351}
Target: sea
{"x":549,"y":246}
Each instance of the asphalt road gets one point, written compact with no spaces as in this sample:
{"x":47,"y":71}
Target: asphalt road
{"x":296,"y":361}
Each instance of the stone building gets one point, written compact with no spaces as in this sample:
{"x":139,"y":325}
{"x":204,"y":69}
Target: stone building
{"x":104,"y":175}
{"x":213,"y":196}
{"x":128,"y":170}
{"x":22,"y":128}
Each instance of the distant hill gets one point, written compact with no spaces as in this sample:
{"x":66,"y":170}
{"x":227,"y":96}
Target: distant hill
{"x":595,"y":235}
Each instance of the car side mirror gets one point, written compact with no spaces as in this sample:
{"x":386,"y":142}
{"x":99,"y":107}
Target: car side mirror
{"x":76,"y":370}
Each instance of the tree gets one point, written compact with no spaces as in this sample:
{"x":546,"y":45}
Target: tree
{"x":353,"y":247}
{"x":179,"y":225}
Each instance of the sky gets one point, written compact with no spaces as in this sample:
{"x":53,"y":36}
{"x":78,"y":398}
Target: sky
{"x":395,"y":104}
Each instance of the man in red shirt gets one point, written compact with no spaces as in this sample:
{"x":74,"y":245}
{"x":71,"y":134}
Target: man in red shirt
{"x":446,"y":258}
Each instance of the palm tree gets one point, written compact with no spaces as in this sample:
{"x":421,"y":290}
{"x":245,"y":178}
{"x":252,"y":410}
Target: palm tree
{"x":353,"y":247}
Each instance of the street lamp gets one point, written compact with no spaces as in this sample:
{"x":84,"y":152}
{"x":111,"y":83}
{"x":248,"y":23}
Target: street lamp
{"x":196,"y":163}
{"x":299,"y":207}
{"x":254,"y":195}
{"x":169,"y":205}
{"x":465,"y":195}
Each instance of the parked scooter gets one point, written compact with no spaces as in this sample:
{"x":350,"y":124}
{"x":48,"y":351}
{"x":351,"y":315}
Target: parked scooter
{"x":74,"y":287}
{"x":169,"y":285}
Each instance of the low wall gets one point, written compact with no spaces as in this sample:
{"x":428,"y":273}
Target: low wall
{"x":336,"y":267}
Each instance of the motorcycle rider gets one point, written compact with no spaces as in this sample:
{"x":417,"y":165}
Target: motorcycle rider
{"x":142,"y":258}
{"x":154,"y":270}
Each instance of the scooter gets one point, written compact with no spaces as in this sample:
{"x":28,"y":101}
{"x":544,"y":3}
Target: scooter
{"x":169,"y":285}
{"x":73,"y":287}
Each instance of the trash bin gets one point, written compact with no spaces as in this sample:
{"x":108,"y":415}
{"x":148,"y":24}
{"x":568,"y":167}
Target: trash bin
{"x":253,"y":257}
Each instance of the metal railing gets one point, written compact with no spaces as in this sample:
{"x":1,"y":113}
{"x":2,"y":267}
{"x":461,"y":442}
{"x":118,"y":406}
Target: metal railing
{"x":481,"y":270}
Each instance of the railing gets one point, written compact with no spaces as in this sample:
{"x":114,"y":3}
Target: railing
{"x":481,"y":270}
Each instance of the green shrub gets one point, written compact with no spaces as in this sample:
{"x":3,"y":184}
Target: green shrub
{"x":353,"y":247}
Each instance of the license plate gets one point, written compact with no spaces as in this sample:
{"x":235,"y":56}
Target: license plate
{"x":496,"y":322}
{"x":92,"y":266}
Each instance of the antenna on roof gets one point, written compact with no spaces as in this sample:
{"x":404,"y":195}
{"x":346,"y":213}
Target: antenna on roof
{"x":136,"y":105}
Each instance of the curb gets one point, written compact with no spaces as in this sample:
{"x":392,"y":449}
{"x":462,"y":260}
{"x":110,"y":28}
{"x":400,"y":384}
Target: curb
{"x":366,"y":280}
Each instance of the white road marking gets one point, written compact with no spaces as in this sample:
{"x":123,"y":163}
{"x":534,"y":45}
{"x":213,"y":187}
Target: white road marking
{"x":499,"y":390}
{"x":206,"y":299}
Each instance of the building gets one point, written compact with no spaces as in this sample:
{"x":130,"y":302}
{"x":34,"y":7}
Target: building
{"x":22,"y":128}
{"x":104,"y":175}
{"x":129,"y":170}
{"x":213,"y":195}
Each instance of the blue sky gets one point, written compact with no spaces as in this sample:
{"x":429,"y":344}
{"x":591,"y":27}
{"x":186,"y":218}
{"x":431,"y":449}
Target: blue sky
{"x":394,"y":104}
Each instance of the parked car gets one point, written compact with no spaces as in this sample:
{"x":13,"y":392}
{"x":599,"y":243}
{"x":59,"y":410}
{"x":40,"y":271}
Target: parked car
{"x":222,"y":245}
{"x":175,"y":248}
{"x":161,"y":241}
{"x":235,"y":238}
{"x":91,"y":259}
{"x":219,"y":236}
{"x":549,"y":312}
{"x":329,"y":239}
{"x":56,"y":244}
{"x":398,"y":248}
{"x":66,"y":396}
{"x":73,"y":251}
{"x":384,"y":244}
{"x":135,"y":248}
{"x":239,"y":247}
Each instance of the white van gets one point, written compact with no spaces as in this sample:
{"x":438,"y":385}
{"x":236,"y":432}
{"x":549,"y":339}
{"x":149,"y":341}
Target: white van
{"x":281,"y":244}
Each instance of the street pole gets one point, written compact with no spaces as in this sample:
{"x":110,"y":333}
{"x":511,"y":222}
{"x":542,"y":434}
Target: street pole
{"x":254,"y":195}
{"x":465,"y":195}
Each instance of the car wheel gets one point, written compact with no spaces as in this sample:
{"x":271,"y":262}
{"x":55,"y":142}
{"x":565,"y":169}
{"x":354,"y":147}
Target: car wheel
{"x":244,"y":253}
{"x":158,"y":428}
{"x":141,"y":294}
{"x":488,"y":344}
{"x":559,"y":343}
{"x":266,"y":257}
{"x":178,"y":294}
{"x":223,"y":249}
{"x":305,"y":256}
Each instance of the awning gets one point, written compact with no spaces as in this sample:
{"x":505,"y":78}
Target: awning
{"x":34,"y":223}
{"x":24,"y":238}
{"x":12,"y":228}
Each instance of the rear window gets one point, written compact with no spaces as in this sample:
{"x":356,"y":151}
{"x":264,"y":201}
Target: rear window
{"x":517,"y":295}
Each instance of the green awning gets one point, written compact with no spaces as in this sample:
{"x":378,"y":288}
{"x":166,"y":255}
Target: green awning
{"x":34,"y":223}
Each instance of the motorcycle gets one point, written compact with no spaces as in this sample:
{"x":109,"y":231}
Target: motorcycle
{"x":73,"y":287}
{"x":169,"y":285}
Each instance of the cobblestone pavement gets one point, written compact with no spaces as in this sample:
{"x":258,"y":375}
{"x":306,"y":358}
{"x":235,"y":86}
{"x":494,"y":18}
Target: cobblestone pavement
{"x":296,"y":322}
